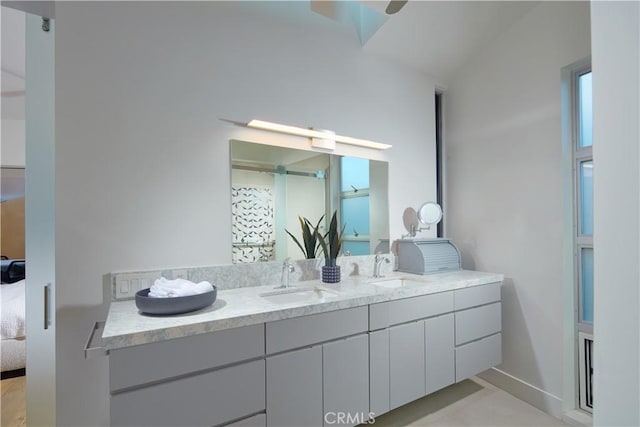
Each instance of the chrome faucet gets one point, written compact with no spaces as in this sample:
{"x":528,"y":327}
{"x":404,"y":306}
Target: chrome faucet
{"x":287,"y":268}
{"x":376,"y":265}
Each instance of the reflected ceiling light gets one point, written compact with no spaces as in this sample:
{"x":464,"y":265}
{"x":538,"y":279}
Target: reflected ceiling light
{"x":319,"y":138}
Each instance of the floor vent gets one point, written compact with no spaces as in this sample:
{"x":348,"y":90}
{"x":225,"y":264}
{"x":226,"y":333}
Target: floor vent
{"x":585,"y":348}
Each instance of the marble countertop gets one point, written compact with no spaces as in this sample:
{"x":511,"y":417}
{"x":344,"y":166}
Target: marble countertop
{"x":126,"y":326}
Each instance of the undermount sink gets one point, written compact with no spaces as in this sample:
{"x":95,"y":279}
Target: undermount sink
{"x":399,"y":283}
{"x":298,"y":295}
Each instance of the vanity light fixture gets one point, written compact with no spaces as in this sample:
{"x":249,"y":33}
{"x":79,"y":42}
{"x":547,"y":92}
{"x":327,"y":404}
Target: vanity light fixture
{"x":319,"y":138}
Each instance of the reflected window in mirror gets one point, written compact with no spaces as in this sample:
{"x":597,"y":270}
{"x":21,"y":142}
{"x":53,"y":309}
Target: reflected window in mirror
{"x":354,"y":205}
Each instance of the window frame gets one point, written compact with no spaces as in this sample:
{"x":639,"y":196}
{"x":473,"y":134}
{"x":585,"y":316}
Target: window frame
{"x":580,"y":155}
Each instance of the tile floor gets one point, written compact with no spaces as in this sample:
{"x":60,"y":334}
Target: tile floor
{"x":469,"y":403}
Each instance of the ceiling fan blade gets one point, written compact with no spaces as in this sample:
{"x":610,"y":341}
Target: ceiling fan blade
{"x":394,"y":6}
{"x":325,"y":8}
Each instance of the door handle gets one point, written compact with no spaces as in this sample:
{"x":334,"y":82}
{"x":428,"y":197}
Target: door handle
{"x":46,"y":306}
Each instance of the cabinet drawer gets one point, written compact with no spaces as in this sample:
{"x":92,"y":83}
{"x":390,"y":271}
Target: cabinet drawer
{"x":478,"y":322}
{"x":478,"y":356}
{"x":207,"y":399}
{"x":298,"y":332}
{"x":385,"y":314}
{"x":476,"y":295}
{"x":151,"y":362}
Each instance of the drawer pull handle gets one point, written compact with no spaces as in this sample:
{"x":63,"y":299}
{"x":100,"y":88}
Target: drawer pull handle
{"x":91,"y":351}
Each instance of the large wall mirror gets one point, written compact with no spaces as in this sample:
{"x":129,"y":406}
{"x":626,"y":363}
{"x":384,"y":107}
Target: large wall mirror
{"x":271,"y":186}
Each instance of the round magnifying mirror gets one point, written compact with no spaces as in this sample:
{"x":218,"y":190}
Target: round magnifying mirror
{"x":430,"y":213}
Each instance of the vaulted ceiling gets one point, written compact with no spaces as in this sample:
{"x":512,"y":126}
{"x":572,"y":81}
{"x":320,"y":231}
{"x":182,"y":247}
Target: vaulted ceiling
{"x":437,"y":37}
{"x":434,"y":37}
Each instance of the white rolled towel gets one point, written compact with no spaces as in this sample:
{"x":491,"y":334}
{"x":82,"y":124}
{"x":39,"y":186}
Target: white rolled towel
{"x":164,"y":288}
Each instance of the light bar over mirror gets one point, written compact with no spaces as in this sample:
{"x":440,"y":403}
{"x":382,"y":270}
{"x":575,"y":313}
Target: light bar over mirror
{"x":317,"y":134}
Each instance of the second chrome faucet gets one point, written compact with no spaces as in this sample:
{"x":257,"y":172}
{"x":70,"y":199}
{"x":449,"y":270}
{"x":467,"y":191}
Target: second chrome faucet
{"x":377,"y":263}
{"x":287,"y":268}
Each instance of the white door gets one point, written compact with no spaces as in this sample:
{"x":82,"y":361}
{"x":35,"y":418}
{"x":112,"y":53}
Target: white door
{"x":40,"y":223}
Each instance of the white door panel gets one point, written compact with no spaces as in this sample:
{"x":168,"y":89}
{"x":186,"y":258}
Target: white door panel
{"x":40,"y":222}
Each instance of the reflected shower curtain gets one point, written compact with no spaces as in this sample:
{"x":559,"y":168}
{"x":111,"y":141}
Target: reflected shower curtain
{"x":252,"y":216}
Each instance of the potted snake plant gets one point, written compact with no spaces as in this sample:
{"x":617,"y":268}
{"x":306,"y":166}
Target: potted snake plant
{"x":331,"y":244}
{"x":309,"y":237}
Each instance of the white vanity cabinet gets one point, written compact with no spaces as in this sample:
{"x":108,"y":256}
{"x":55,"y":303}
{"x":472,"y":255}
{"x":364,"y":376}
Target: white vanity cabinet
{"x":322,"y":369}
{"x":411,"y":360}
{"x":304,"y":385}
{"x":420,"y":352}
{"x":422,"y":344}
{"x":478,"y":326}
{"x":200,"y":380}
{"x":333,"y":367}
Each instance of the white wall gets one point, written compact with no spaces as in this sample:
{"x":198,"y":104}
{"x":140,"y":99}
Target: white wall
{"x":142,"y":174}
{"x":12,"y":151}
{"x":13,"y":51}
{"x":615,"y":39}
{"x":504,"y":186}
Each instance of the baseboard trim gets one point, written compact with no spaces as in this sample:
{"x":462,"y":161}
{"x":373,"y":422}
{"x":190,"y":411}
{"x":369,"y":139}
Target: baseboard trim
{"x":578,"y":418}
{"x":531,"y":394}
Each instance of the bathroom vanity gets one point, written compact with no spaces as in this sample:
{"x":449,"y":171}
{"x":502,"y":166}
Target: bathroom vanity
{"x":359,"y":349}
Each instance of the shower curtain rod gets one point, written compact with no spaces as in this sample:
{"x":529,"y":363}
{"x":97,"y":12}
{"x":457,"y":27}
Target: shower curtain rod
{"x":277,"y":170}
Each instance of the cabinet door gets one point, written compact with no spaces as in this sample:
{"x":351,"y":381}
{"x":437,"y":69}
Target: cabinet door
{"x":345,"y":370}
{"x":294,"y":388}
{"x":379,"y":371}
{"x":406,"y":363}
{"x":439,"y":352}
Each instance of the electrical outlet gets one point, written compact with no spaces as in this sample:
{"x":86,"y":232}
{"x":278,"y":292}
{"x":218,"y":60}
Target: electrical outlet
{"x":180,"y":274}
{"x":127,"y":284}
